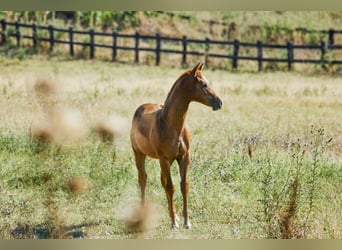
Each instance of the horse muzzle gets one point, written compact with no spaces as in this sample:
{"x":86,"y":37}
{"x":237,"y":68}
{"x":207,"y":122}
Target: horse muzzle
{"x":216,"y":103}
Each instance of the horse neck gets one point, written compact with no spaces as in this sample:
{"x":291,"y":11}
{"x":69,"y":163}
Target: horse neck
{"x":176,"y":107}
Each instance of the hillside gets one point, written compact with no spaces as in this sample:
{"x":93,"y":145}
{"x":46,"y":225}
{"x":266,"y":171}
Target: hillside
{"x":269,"y":26}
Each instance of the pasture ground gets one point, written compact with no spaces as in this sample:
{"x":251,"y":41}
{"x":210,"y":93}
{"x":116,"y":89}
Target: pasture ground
{"x":268,"y":165}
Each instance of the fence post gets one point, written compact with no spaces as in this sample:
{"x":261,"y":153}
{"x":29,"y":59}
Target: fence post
{"x":158,"y":46}
{"x":136,"y":47}
{"x":184,"y":41}
{"x":17,"y":34}
{"x":92,"y":47}
{"x":235,"y":54}
{"x":331,"y":36}
{"x":206,"y":53}
{"x":71,"y":41}
{"x":3,"y":31}
{"x":290,"y":54}
{"x":114,"y":51}
{"x":34,"y":35}
{"x":323,"y":52}
{"x":51,"y":38}
{"x":260,"y":54}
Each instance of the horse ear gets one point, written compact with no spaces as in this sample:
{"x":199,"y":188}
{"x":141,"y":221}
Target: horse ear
{"x":199,"y":67}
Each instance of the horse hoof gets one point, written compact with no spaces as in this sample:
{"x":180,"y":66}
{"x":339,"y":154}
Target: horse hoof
{"x":187,"y":225}
{"x":174,"y":225}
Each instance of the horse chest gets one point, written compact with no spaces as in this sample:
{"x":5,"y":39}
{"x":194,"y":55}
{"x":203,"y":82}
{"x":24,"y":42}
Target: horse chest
{"x":173,"y":147}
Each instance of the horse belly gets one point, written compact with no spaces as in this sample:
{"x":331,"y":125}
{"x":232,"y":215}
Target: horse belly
{"x":143,"y":145}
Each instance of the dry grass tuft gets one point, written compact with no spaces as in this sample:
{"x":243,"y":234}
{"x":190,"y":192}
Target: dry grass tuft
{"x":42,"y":134}
{"x":138,"y":218}
{"x":287,"y":218}
{"x":45,"y":86}
{"x":78,"y":185}
{"x":61,"y":127}
{"x":111,"y":128}
{"x":250,"y":150}
{"x":46,"y":91}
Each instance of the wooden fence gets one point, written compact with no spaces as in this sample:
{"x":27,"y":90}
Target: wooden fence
{"x":228,"y":49}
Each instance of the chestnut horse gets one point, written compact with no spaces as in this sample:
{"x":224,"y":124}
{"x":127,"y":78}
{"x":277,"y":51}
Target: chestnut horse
{"x":160,"y":131}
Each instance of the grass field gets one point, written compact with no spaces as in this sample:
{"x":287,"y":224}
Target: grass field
{"x":268,"y":165}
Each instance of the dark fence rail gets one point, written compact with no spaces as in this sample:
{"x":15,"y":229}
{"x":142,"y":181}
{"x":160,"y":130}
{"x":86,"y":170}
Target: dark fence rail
{"x":228,"y":50}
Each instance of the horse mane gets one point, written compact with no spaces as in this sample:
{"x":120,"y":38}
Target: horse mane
{"x":176,"y":84}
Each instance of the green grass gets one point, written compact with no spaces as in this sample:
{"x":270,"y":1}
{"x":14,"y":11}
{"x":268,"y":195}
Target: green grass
{"x":274,"y":129}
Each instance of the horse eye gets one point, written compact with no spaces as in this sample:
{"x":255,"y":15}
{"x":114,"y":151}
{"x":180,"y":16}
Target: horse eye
{"x":204,"y":88}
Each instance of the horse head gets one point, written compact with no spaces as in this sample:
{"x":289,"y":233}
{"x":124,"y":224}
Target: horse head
{"x":201,"y":91}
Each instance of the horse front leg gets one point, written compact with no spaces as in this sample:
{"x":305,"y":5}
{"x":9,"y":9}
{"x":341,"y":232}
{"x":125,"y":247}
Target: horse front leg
{"x":142,"y":176}
{"x":184,"y":166}
{"x":166,"y":181}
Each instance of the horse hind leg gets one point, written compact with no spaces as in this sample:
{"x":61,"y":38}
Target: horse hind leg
{"x":168,"y":186}
{"x":142,"y":176}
